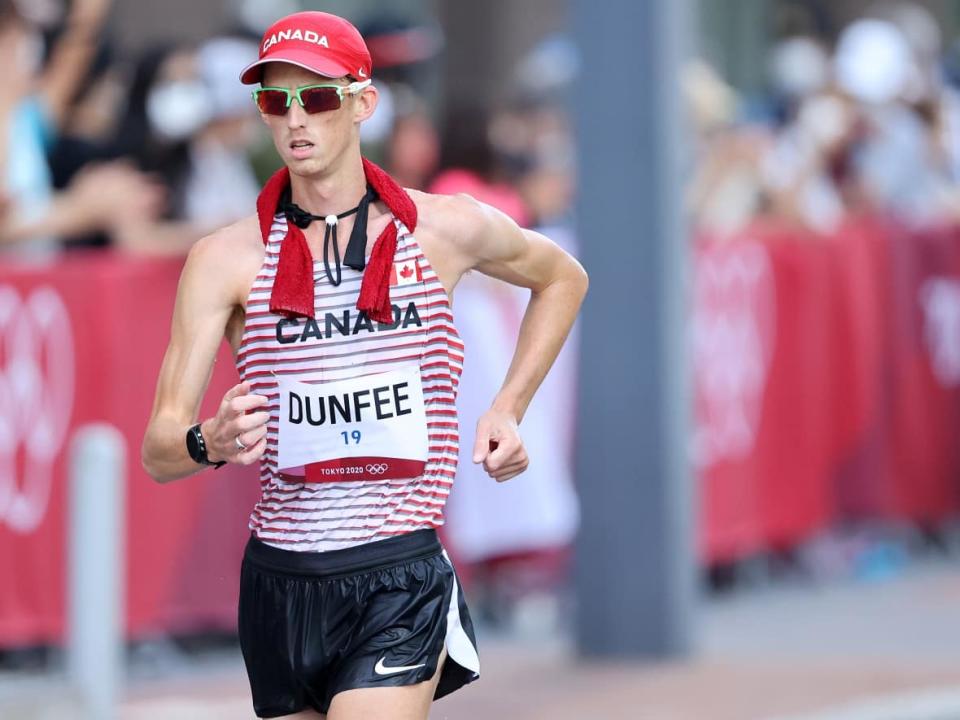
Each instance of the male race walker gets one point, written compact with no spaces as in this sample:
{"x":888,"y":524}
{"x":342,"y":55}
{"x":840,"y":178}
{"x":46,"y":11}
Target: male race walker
{"x":349,"y":364}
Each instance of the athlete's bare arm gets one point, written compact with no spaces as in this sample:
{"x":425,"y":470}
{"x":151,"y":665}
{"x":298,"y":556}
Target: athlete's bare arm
{"x":210,"y":299}
{"x":462,"y":234}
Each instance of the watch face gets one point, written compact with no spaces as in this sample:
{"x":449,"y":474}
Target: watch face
{"x":194,"y":445}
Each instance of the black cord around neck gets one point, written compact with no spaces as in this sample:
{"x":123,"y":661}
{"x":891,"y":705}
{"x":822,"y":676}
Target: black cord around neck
{"x":355,"y":256}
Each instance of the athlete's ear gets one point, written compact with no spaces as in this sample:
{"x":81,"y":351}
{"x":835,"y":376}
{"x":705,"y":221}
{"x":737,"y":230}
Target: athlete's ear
{"x":366,"y":103}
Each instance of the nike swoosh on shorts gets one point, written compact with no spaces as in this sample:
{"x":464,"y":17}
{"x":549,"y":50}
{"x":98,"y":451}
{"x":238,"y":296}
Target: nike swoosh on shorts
{"x":381,"y":669}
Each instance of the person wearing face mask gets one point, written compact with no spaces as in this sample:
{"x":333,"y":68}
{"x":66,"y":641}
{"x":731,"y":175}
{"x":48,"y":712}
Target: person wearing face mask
{"x":336,"y":298}
{"x":166,"y":106}
{"x":189,"y":123}
{"x":221,"y":186}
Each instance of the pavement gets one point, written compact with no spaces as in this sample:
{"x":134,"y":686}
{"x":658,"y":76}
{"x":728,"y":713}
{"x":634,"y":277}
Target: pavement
{"x":884,"y":649}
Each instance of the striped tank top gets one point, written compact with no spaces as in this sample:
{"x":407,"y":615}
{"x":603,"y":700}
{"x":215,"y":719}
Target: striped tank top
{"x":339,"y":344}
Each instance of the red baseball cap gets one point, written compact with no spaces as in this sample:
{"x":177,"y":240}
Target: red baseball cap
{"x":316,"y":41}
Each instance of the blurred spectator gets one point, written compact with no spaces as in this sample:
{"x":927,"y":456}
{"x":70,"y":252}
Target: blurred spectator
{"x":90,"y":121}
{"x":413,"y":147}
{"x":871,"y":127}
{"x":895,"y":161}
{"x":471,"y":165}
{"x":726,"y":190}
{"x":221,"y":187}
{"x":34,"y":103}
{"x":538,"y":139}
{"x":166,"y":105}
{"x":802,"y":170}
{"x":86,"y":135}
{"x":402,"y":134}
{"x":536,"y":134}
{"x":189,"y":122}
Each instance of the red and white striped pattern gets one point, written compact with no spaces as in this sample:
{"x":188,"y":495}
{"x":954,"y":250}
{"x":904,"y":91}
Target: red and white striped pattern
{"x":329,"y":516}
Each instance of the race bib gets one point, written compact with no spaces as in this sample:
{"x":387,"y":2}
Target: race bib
{"x":367,"y":428}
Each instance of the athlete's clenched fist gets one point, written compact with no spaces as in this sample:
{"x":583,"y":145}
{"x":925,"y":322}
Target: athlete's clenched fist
{"x":499,"y":447}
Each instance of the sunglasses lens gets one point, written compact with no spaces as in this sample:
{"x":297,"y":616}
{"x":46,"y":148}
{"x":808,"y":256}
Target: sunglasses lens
{"x":320,"y":99}
{"x":272,"y":102}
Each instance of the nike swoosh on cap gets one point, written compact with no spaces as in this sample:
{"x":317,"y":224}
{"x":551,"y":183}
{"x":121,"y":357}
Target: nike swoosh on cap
{"x":381,"y":669}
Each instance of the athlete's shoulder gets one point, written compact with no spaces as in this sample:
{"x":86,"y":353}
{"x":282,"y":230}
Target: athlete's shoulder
{"x":456,"y":219}
{"x":230,"y":246}
{"x":241,"y":237}
{"x":227,"y":258}
{"x":447,"y":211}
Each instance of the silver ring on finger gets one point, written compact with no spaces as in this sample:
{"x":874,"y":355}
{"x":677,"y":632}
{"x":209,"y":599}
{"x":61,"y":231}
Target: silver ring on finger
{"x":240,"y":446}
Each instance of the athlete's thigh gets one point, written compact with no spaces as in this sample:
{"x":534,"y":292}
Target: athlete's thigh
{"x":406,"y":702}
{"x":312,"y":714}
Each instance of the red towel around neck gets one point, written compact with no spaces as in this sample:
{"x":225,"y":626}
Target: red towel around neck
{"x":293,"y":285}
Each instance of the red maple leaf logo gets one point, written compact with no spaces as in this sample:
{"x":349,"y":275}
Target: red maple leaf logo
{"x":406,"y":272}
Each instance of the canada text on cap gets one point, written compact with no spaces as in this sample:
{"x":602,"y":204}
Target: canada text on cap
{"x":316,"y":41}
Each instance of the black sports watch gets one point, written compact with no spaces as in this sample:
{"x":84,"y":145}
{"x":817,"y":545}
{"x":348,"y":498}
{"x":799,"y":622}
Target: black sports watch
{"x":198,"y":448}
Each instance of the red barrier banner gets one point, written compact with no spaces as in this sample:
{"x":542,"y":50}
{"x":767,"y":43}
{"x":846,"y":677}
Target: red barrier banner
{"x":81,"y":342}
{"x":827,"y":382}
{"x":762,"y":391}
{"x":826,"y":379}
{"x":862,"y":471}
{"x":925,"y":355}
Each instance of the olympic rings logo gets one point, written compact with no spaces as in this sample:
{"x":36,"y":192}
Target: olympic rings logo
{"x":37,"y":387}
{"x":376,"y":468}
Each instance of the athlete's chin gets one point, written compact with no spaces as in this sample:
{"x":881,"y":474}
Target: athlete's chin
{"x":306,"y":166}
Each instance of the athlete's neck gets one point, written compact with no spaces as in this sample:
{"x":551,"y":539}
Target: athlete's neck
{"x":330,"y":194}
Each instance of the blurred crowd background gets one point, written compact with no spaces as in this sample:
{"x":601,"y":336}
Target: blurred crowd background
{"x":124,"y":131}
{"x":858,"y":117}
{"x":160,"y":126}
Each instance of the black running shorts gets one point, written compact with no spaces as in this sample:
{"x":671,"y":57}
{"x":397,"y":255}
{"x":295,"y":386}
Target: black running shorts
{"x":375,"y":615}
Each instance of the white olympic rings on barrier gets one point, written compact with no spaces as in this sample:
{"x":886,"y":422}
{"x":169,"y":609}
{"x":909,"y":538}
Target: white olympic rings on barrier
{"x":36,"y":400}
{"x":376,"y":468}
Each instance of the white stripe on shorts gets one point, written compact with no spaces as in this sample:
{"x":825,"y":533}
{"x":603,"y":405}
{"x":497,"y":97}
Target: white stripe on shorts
{"x":458,"y":644}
